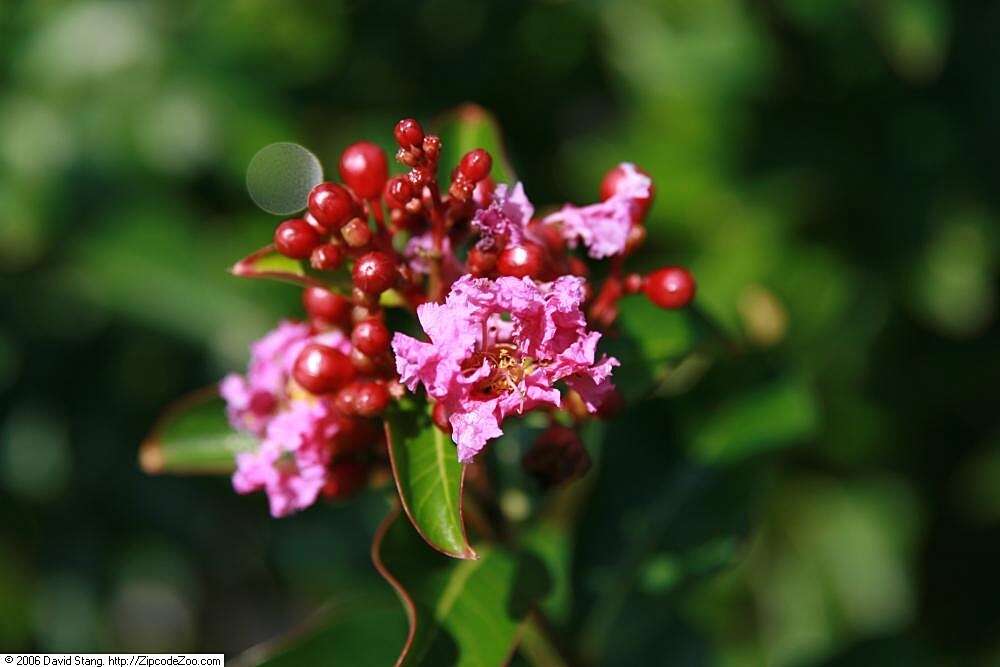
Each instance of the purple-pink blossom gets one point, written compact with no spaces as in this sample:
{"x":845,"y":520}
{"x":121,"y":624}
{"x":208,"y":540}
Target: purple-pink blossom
{"x":294,"y":429}
{"x":604,"y":227}
{"x":506,"y":217}
{"x":498,"y":348}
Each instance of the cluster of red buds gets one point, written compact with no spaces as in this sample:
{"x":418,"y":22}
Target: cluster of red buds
{"x":405,"y":241}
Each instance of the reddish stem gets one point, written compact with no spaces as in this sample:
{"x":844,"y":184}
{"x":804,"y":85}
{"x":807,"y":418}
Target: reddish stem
{"x":432,"y":201}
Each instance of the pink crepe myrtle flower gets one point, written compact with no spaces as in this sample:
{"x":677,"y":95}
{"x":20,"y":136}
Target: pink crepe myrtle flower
{"x":252,"y":399}
{"x":294,"y":429}
{"x":507,"y":216}
{"x":604,"y":227}
{"x":483,"y":367}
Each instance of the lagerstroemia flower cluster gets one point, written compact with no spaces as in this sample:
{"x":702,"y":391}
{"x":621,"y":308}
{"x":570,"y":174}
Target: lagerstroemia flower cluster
{"x":482,"y":368}
{"x":506,"y":319}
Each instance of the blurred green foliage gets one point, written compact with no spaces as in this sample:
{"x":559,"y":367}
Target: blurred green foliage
{"x":826,"y":168}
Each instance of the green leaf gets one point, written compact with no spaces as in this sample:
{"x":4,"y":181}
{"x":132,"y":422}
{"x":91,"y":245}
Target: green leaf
{"x":761,"y":419}
{"x":194,"y":437}
{"x":364,"y":630}
{"x":429,"y":478}
{"x":649,"y":340}
{"x":269,"y":263}
{"x":462,"y":613}
{"x":466,"y":128}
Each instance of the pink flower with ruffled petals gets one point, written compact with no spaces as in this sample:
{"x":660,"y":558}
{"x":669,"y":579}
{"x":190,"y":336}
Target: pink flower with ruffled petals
{"x":507,"y":216}
{"x":498,"y":348}
{"x":291,"y":461}
{"x":604,"y":227}
{"x":252,"y":399}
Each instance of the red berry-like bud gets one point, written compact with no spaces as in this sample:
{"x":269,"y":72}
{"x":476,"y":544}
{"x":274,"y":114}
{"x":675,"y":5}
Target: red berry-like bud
{"x":364,"y":168}
{"x":374,"y":272}
{"x":331,"y":205}
{"x":670,"y":287}
{"x":314,"y":223}
{"x":634,"y":283}
{"x":432,"y":147}
{"x":345,"y":479}
{"x":370,"y":398}
{"x":483,"y":192}
{"x":550,"y":234}
{"x":363,"y":363}
{"x":636,"y":237}
{"x":419,"y":177}
{"x":440,"y":417}
{"x":344,"y":401}
{"x":526,"y":259}
{"x":398,"y":192}
{"x":578,"y":267}
{"x":324,"y":305}
{"x":327,"y":257}
{"x":356,"y":233}
{"x":557,"y":456}
{"x":371,"y":336}
{"x":475,"y":165}
{"x":320,"y":369}
{"x":262,"y":403}
{"x":408,"y":133}
{"x":612,"y":182}
{"x":482,"y":262}
{"x":613,"y":404}
{"x":295,"y":238}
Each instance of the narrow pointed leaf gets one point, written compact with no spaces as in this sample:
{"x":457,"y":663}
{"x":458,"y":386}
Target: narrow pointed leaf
{"x":467,"y":613}
{"x":194,"y":437}
{"x":429,"y":478}
{"x":269,"y":263}
{"x":465,"y":128}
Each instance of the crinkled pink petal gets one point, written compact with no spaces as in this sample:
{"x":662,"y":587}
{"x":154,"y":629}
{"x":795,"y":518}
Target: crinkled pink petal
{"x":602,"y":227}
{"x":473,"y":426}
{"x":594,"y":384}
{"x":253,"y":469}
{"x":292,"y":490}
{"x":634,"y":184}
{"x":507,"y":216}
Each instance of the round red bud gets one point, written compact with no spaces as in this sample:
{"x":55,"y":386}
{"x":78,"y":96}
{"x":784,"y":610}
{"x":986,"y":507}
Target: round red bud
{"x":374,"y":272}
{"x":398,"y":191}
{"x":364,"y":168}
{"x":356,"y":233}
{"x":408,"y":133}
{"x":295,"y":238}
{"x":670,"y":287}
{"x":321,"y":369}
{"x":371,"y":398}
{"x":371,"y":336}
{"x":324,"y":305}
{"x":326,"y":257}
{"x":525,"y":259}
{"x":475,"y":165}
{"x":331,"y":205}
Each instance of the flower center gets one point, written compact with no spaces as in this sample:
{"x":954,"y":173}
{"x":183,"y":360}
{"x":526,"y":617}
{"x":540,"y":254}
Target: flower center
{"x":507,"y":368}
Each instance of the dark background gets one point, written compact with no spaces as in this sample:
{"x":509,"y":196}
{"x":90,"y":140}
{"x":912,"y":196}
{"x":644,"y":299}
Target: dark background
{"x":827,"y":169}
